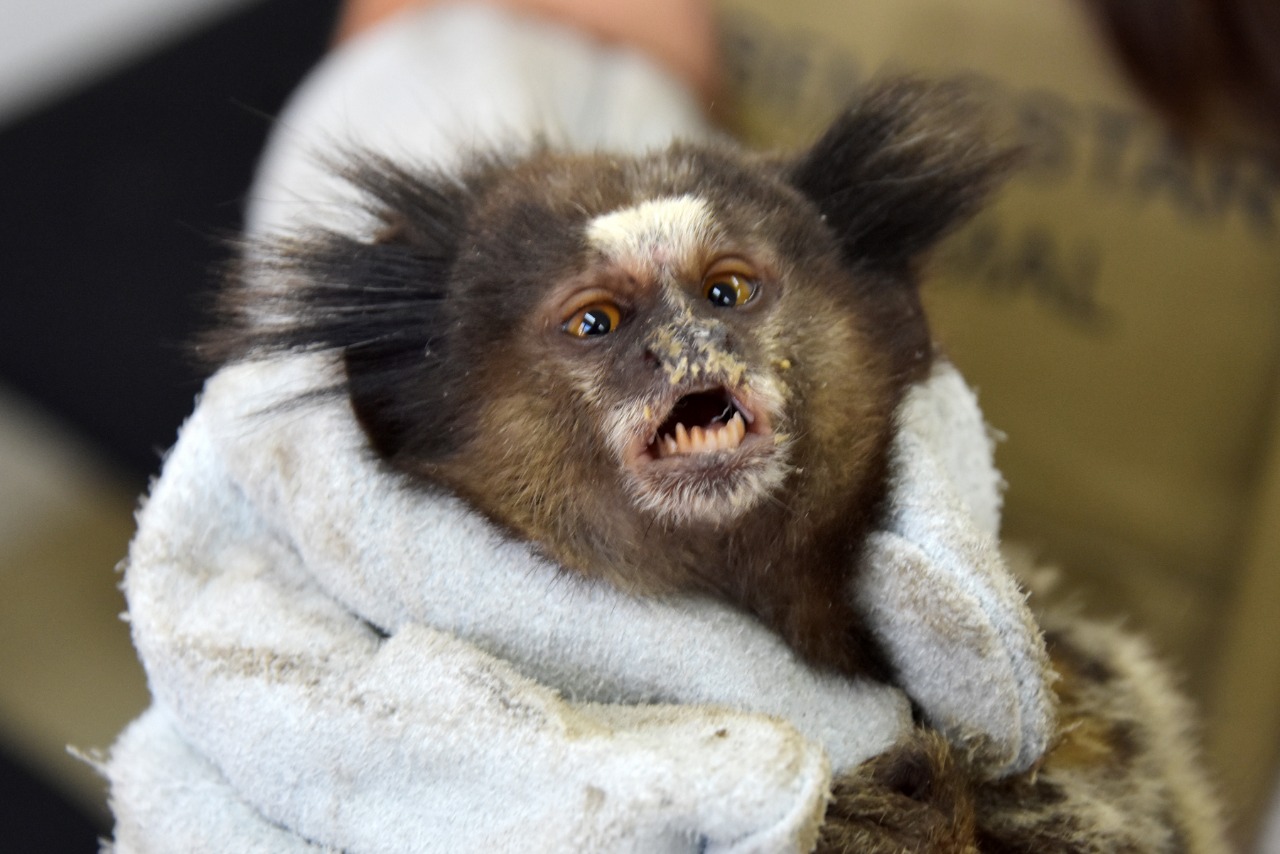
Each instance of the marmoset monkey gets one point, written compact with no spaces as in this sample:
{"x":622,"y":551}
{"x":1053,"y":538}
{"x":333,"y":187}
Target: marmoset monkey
{"x":673,"y":372}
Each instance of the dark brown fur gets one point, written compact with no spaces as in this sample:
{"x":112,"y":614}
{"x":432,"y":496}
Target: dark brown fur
{"x":463,"y":379}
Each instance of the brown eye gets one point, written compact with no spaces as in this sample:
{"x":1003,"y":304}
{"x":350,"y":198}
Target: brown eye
{"x":728,"y":290}
{"x":597,"y":319}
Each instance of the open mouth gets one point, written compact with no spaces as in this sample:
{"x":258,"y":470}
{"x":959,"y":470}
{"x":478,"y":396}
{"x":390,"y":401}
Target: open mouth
{"x":709,"y":455}
{"x":704,"y":422}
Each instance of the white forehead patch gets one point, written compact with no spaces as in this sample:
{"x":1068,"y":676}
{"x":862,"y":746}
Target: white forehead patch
{"x":670,"y":231}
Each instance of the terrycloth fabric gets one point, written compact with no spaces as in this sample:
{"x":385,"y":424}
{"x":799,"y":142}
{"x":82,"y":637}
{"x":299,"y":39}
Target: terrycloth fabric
{"x":936,"y":587}
{"x":273,"y":541}
{"x":342,"y":661}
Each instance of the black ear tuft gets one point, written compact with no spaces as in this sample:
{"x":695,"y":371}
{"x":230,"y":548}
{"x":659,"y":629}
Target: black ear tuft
{"x":383,"y":305}
{"x":906,"y":163}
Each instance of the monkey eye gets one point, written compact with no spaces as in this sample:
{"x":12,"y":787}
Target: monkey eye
{"x":592,"y":320}
{"x":729,"y":286}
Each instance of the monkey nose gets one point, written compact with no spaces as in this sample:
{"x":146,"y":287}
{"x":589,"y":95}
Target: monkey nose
{"x":704,"y":338}
{"x":687,"y":343}
{"x":699,"y":336}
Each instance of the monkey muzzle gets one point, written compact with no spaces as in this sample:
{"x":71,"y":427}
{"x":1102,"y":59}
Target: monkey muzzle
{"x":706,"y":410}
{"x":705,"y":426}
{"x":706,"y":446}
{"x":709,"y":453}
{"x":703,"y":422}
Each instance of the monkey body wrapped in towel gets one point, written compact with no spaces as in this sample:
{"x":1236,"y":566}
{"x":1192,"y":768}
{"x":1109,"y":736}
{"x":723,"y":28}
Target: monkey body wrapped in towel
{"x":674,"y":373}
{"x":699,"y":384}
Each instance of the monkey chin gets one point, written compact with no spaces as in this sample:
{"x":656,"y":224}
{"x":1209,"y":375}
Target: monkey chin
{"x":710,"y":458}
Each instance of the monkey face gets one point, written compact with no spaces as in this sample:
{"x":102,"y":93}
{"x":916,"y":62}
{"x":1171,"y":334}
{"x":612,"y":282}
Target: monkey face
{"x":677,"y":339}
{"x":613,"y":357}
{"x":689,"y":416}
{"x":678,"y":332}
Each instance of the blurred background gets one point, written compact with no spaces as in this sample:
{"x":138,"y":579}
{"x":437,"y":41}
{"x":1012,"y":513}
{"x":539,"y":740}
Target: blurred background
{"x":128,"y":134}
{"x":1118,"y":310}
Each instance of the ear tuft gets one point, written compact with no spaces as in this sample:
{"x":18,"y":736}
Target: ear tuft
{"x":381,"y":305}
{"x":905,"y":164}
